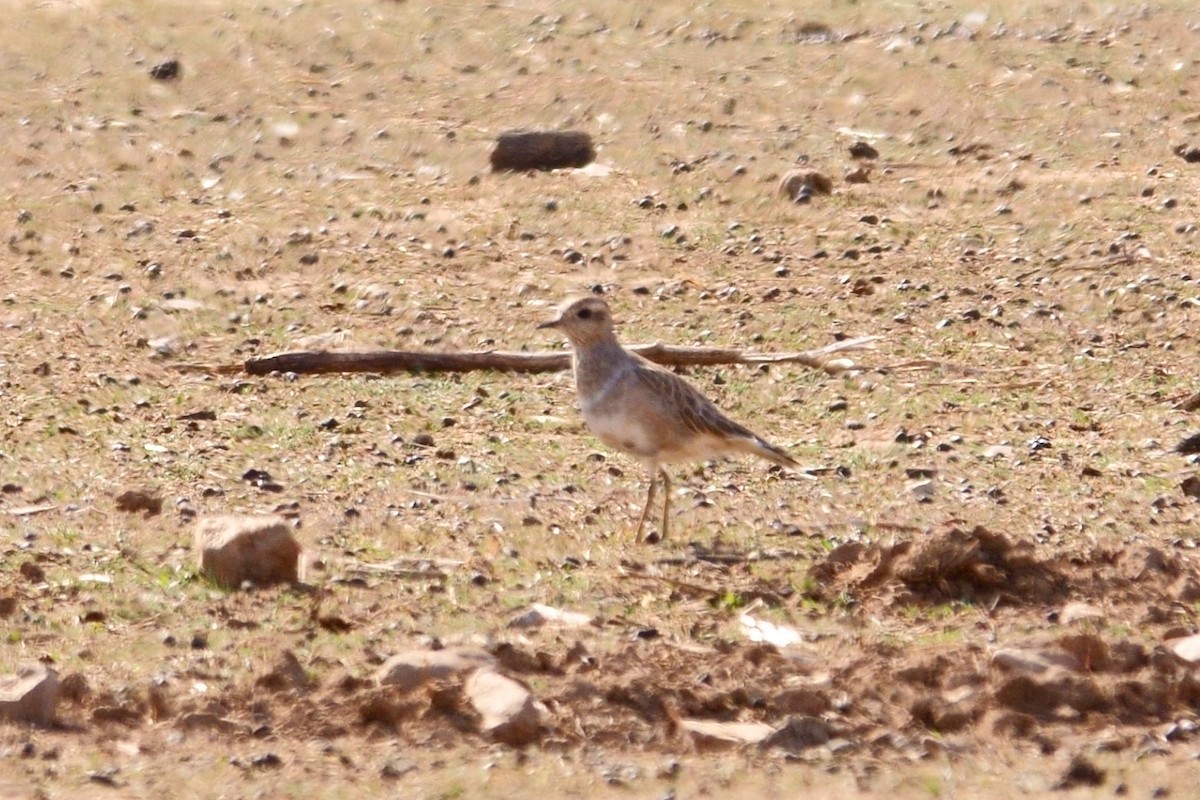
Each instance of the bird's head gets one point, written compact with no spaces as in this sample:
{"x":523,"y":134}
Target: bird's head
{"x":585,"y":320}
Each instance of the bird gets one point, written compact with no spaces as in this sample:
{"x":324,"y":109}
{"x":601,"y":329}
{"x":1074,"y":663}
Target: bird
{"x":639,"y":408}
{"x":1189,"y":446}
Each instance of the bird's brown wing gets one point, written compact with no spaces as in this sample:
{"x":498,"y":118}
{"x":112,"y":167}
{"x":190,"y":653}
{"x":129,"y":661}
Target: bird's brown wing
{"x":699,"y":415}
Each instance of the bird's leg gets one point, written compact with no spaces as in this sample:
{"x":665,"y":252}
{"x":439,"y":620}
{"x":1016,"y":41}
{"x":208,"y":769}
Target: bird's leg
{"x":666,"y":481}
{"x":637,"y":537}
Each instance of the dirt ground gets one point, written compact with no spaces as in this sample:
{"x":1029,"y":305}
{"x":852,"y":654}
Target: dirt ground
{"x":984,"y":593}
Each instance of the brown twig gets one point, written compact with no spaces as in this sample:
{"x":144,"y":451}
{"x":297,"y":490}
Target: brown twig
{"x":921,"y":364}
{"x":732,"y":558}
{"x":994,"y":387}
{"x":389,"y":361}
{"x":400,"y":574}
{"x":674,"y":583}
{"x":404,"y":564}
{"x":29,"y":511}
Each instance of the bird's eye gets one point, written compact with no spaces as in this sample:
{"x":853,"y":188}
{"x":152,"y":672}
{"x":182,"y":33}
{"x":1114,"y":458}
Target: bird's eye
{"x":584,"y":313}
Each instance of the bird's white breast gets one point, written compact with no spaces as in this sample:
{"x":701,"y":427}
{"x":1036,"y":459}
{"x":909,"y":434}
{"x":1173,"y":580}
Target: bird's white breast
{"x":619,"y":431}
{"x":615,"y":415}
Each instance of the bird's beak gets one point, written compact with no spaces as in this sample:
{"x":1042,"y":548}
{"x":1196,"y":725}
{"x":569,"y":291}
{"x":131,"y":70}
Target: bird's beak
{"x":552,"y":323}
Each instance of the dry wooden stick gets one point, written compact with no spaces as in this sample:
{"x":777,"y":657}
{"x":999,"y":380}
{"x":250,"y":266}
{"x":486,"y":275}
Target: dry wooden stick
{"x":930,"y":364}
{"x":695,"y":588}
{"x":387,"y":361}
{"x":722,"y":559}
{"x":994,"y":387}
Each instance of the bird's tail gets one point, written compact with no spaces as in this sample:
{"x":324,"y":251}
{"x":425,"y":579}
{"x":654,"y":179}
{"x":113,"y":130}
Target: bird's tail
{"x":764,"y":449}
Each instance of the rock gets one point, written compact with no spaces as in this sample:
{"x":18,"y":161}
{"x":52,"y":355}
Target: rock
{"x":32,"y":572}
{"x":1034,"y":662}
{"x":1181,"y":730}
{"x":938,"y":714}
{"x":799,"y":733}
{"x":1089,"y":650}
{"x":262,"y":479}
{"x":1140,"y":562}
{"x":1078,"y":612}
{"x":159,"y":701}
{"x":383,"y":706}
{"x":805,"y":700}
{"x":1189,"y":154}
{"x":804,"y":183}
{"x":539,"y":615}
{"x":1126,"y":656}
{"x":922,"y":490}
{"x":863,"y":150}
{"x":1024,"y":694}
{"x":398,"y":768}
{"x":520,"y":150}
{"x":1187,"y":647}
{"x":708,"y":735}
{"x":286,"y":675}
{"x":1013,"y":723}
{"x":1190,"y":486}
{"x":168,"y":70}
{"x":413,"y":668}
{"x":266,"y":761}
{"x":259,"y":549}
{"x":859,"y":175}
{"x":1190,"y":445}
{"x":204,"y":721}
{"x":510,"y":713}
{"x":128,"y":714}
{"x":30,"y":695}
{"x":1185,"y":589}
{"x":761,"y":630}
{"x":74,"y":687}
{"x":142,"y":500}
{"x":1042,"y":698}
{"x":1080,"y":772}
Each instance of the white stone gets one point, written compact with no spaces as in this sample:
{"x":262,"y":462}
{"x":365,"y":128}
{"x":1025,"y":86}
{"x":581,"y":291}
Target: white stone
{"x":706,"y":733}
{"x":539,"y":615}
{"x":509,"y":712}
{"x":1077,"y":612}
{"x":761,"y":630}
{"x":259,"y":549}
{"x":1186,"y":647}
{"x":30,"y":695}
{"x":1035,"y":662}
{"x":410,"y":669}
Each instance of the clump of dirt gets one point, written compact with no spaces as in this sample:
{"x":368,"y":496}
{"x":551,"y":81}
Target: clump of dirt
{"x":989,"y":568}
{"x":976,"y":565}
